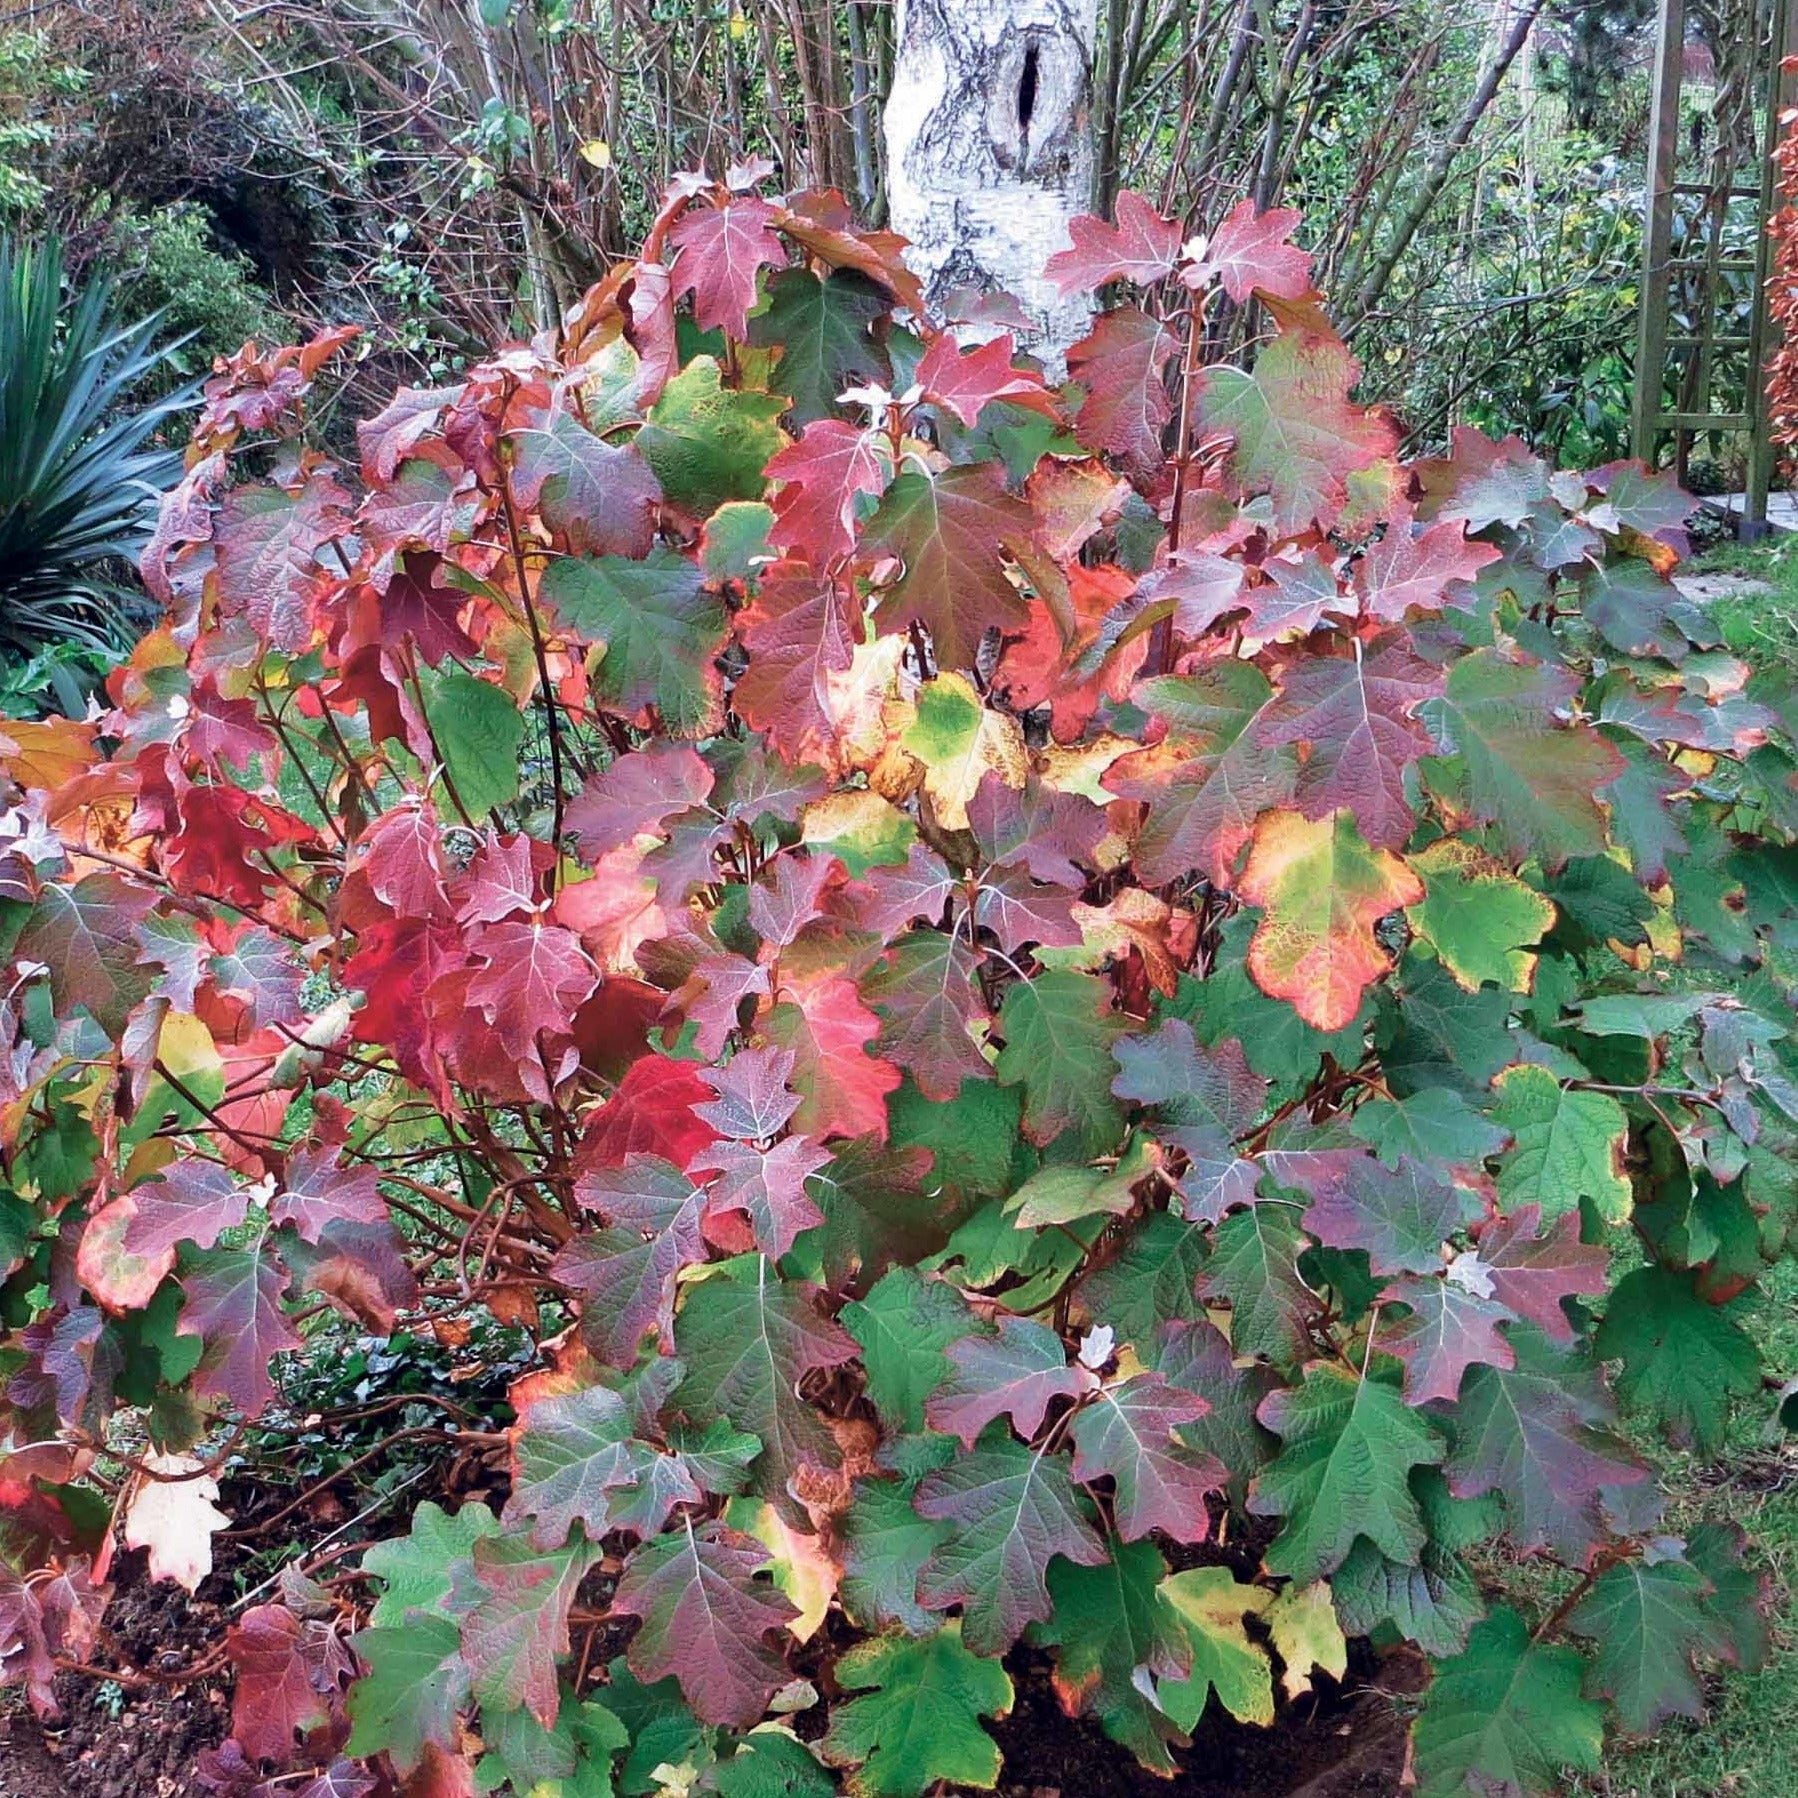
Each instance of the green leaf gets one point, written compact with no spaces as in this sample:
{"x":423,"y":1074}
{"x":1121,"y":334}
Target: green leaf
{"x":1481,"y":920}
{"x":1434,"y":1033}
{"x":660,"y":627}
{"x":1297,"y":437}
{"x":1115,"y":1632}
{"x":1210,"y":1607}
{"x":1648,"y":1622}
{"x":920,"y":1720}
{"x":1505,"y":1718}
{"x":1684,"y":1359}
{"x":1518,"y":767}
{"x":885,"y":1542}
{"x":1569,"y":1146}
{"x":821,"y":331}
{"x":574,"y":1759}
{"x":1151,"y":1280}
{"x":707,"y":443}
{"x":1435,"y":1125}
{"x":479,"y":729}
{"x":748,"y":1339}
{"x":1254,"y":1264}
{"x":1058,"y":1030}
{"x":972,"y":1138}
{"x":903,"y":1325}
{"x":1434,"y":1603}
{"x":415,"y":1684}
{"x":1228,"y":1005}
{"x":1343,"y":1472}
{"x":769,"y":1763}
{"x":418,"y":1570}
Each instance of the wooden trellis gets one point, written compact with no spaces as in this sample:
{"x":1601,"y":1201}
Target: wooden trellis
{"x":1704,"y":331}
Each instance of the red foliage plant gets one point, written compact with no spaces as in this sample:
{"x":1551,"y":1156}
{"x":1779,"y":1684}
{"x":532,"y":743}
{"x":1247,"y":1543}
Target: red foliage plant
{"x":998,"y":979}
{"x":1782,"y":290}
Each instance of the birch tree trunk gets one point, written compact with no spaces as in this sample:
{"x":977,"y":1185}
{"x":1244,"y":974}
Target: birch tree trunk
{"x":990,"y":149}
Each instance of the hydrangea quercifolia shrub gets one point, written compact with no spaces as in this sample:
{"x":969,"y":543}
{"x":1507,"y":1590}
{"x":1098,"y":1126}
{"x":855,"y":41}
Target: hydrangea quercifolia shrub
{"x":1004,"y":977}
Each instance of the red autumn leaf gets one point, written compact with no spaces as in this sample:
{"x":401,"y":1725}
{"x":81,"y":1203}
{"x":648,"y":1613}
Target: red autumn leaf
{"x":499,"y":882}
{"x":1074,"y":676}
{"x":967,"y":381}
{"x":267,"y":542}
{"x":924,"y":990}
{"x":712,"y":997}
{"x":626,"y":1272}
{"x":413,"y":414}
{"x":843,"y":1087}
{"x":1249,"y":254}
{"x":358,"y":1267}
{"x":822,"y":476}
{"x":1122,"y":364}
{"x":651,"y":1113}
{"x":1017,"y":1373}
{"x":291,"y":1674}
{"x":800,"y":631}
{"x":395,"y":964}
{"x":753,"y":1101}
{"x":1449,"y":1328}
{"x":637,"y":794}
{"x":600,"y":498}
{"x":949,"y":532}
{"x":1407,"y":570}
{"x":402,"y":855}
{"x":1129,"y":1433}
{"x":534,"y":976}
{"x":1020,"y":911}
{"x":1354,"y":716}
{"x":192,"y":1201}
{"x":318,"y":1190}
{"x":1141,"y":246}
{"x":1053,"y":834}
{"x":233,"y":1304}
{"x":719,"y":252}
{"x":705,"y":1620}
{"x":822,"y":223}
{"x":1532,"y":1269}
{"x":759,"y":1199}
{"x":787,"y":896}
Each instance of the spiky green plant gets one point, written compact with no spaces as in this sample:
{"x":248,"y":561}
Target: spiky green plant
{"x":79,"y":468}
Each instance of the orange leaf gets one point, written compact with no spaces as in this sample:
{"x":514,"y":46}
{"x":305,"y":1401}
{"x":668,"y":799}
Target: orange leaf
{"x":1323,"y":890}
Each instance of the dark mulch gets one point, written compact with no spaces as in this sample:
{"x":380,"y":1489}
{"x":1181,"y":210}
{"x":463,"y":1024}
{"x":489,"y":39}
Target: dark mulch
{"x":1344,"y":1740}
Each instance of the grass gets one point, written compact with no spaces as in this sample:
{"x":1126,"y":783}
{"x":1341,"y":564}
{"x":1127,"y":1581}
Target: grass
{"x":1760,"y":627}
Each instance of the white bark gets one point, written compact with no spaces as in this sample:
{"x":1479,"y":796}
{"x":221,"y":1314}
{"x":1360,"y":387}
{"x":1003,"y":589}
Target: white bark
{"x":990,"y":149}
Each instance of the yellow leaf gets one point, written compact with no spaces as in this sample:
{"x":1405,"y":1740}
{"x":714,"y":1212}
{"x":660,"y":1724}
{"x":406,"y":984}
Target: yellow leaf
{"x":1306,"y":1636}
{"x":960,"y":742}
{"x":174,"y":1518}
{"x":1137,"y":919}
{"x":803,"y":1570}
{"x":597,"y":153}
